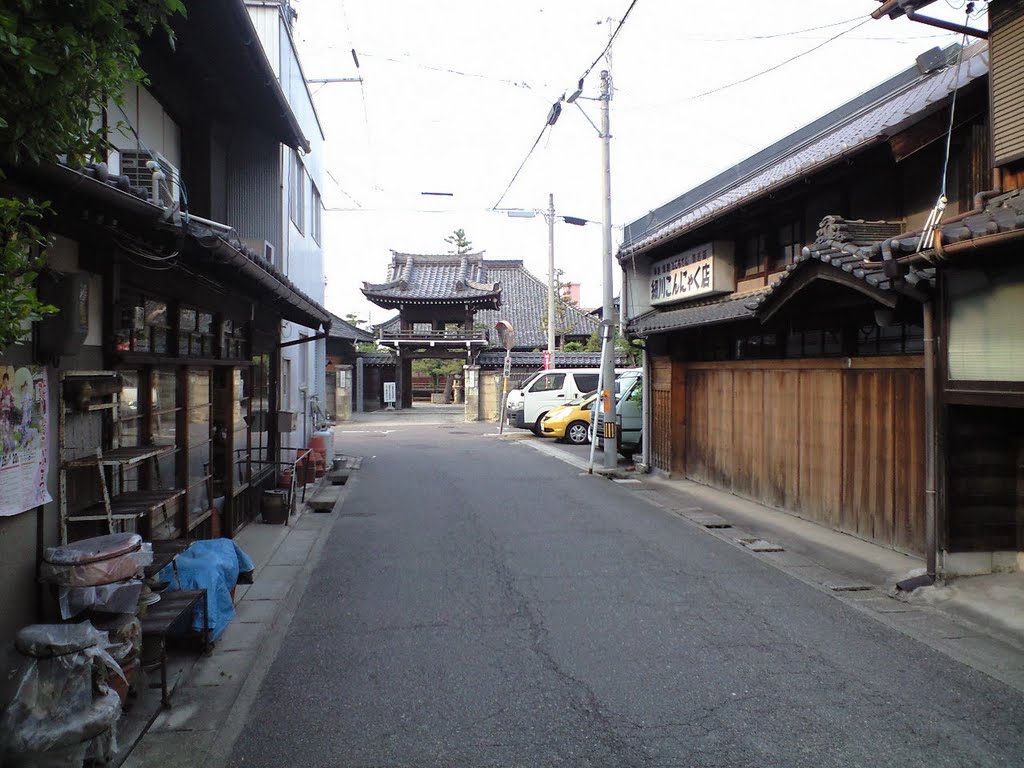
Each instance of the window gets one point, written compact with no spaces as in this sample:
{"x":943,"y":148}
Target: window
{"x":197,"y":457}
{"x":750,"y":256}
{"x":163,"y":424}
{"x":256,"y":387}
{"x":893,"y":339}
{"x":787,"y":246}
{"x":548,"y":382}
{"x":814,"y":342}
{"x":315,"y":207}
{"x":286,"y":384}
{"x":303,"y":360}
{"x":296,"y":191}
{"x":586,"y":382}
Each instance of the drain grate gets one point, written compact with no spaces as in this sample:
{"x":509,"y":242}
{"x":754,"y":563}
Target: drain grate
{"x":846,"y":587}
{"x":760,"y":545}
{"x":709,"y":520}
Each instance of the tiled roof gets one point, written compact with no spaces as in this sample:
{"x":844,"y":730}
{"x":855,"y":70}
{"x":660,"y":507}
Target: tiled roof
{"x":1004,"y":213}
{"x":854,"y":248}
{"x":852,"y":128}
{"x":524,"y":303}
{"x":342,"y":329}
{"x":435,"y":279}
{"x":224,"y":244}
{"x":377,"y":359}
{"x":718,"y":310}
{"x":495,"y":358}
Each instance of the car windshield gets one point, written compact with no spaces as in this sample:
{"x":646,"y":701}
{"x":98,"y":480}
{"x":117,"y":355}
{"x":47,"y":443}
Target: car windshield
{"x":582,"y":398}
{"x":623,"y":384}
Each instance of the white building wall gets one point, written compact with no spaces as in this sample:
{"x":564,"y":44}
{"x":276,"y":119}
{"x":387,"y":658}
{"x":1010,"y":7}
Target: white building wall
{"x":303,"y":258}
{"x":155,"y":128}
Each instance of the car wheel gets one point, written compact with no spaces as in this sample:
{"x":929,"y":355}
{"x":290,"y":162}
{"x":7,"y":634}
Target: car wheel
{"x":577,"y":433}
{"x":536,"y":425}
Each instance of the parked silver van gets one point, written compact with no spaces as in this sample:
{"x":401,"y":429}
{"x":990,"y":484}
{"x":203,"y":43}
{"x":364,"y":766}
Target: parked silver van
{"x":629,"y":412}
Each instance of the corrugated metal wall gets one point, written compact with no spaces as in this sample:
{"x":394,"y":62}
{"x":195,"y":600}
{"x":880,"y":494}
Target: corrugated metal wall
{"x":254,"y":189}
{"x":1007,"y":51}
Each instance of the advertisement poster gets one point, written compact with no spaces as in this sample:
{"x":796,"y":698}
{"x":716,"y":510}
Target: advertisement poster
{"x":24,"y":432}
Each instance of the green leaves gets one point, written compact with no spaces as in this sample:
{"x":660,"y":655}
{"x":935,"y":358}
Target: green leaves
{"x":21,"y":255}
{"x":57,"y":60}
{"x":60,"y":60}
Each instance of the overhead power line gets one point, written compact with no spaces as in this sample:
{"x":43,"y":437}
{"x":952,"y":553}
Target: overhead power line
{"x":611,"y":39}
{"x":458,"y":72}
{"x":556,"y":107}
{"x":781,"y":64}
{"x":522,"y":164}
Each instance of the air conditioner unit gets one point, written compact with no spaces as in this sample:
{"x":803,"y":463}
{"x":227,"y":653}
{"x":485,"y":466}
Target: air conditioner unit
{"x":135,"y":164}
{"x":263,"y":248}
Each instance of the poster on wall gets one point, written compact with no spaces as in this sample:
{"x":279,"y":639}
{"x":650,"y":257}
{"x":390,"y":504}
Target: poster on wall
{"x":24,"y":431}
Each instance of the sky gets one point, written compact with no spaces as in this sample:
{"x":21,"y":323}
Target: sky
{"x":455,"y":92}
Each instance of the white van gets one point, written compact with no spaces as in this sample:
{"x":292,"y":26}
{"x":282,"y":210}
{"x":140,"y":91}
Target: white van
{"x":547,"y":389}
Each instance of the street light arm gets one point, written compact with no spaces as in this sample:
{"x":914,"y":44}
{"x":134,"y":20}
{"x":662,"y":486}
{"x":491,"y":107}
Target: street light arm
{"x":588,"y":119}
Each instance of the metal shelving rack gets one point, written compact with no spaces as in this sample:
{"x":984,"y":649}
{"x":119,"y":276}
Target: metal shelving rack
{"x":117,"y":506}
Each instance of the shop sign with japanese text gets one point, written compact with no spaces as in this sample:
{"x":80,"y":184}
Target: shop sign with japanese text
{"x":701,"y":271}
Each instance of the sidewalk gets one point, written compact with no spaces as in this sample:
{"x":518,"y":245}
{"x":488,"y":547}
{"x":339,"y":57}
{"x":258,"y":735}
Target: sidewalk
{"x":978,"y":620}
{"x":211,"y":694}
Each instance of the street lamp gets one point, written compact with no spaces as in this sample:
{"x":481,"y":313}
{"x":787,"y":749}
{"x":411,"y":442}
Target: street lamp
{"x":549,"y":216}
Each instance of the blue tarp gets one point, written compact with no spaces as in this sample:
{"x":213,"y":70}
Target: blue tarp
{"x":213,"y":565}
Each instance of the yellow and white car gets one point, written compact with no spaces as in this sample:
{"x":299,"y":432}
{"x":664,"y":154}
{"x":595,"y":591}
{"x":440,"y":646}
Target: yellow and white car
{"x":570,"y":421}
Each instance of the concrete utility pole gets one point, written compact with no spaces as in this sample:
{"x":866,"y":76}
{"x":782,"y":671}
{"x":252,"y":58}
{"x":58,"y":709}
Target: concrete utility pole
{"x":611,"y":443}
{"x":551,"y":279}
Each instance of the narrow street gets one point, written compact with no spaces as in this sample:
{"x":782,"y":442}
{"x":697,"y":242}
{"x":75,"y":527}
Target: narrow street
{"x":479,"y":603}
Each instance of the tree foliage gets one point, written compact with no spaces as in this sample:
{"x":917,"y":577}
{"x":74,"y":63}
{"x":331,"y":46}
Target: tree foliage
{"x":353,"y":319}
{"x":563,"y":322}
{"x":21,"y":244}
{"x":460,"y":241}
{"x":61,"y":62}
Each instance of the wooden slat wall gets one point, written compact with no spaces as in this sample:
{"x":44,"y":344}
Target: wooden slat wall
{"x":720,"y":435}
{"x":818,"y":410}
{"x":748,"y":474}
{"x":843,"y":446}
{"x":678,"y":439}
{"x":868,"y":453}
{"x":908,"y":432}
{"x":696,"y":434}
{"x":781,"y":440}
{"x":661,"y":413}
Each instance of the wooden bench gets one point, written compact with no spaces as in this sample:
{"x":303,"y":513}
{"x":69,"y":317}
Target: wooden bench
{"x":163,"y":615}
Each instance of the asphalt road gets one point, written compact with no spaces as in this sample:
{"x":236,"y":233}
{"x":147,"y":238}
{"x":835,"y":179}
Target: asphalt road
{"x":481,"y":604}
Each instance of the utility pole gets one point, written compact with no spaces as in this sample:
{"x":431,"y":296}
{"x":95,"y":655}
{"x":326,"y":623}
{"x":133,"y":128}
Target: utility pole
{"x":551,"y":280}
{"x":611,"y":453}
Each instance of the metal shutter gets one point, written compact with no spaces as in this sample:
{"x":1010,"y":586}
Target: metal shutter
{"x":1006,"y":48}
{"x":986,"y":324}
